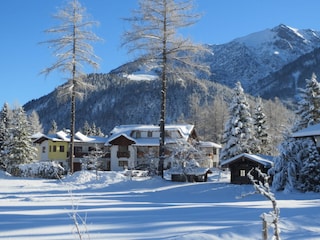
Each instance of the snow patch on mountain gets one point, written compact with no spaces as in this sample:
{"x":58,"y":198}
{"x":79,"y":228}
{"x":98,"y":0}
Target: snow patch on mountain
{"x":140,"y":77}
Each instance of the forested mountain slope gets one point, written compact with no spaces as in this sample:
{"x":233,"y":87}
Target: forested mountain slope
{"x":272,"y":63}
{"x":119,"y":100}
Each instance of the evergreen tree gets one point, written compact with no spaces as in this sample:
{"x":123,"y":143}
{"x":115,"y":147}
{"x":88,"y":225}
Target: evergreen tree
{"x":237,"y":136}
{"x":53,"y":128}
{"x":286,"y":165}
{"x":35,"y":125}
{"x":5,"y":118}
{"x":261,"y":130}
{"x":99,"y":132}
{"x":19,"y":148}
{"x":309,"y":175}
{"x":6,"y":114}
{"x":86,"y":129}
{"x":298,"y":164}
{"x":93,"y":130}
{"x":309,"y":105}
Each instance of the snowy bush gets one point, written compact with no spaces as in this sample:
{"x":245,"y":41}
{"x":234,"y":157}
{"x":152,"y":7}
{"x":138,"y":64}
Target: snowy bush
{"x":48,"y":170}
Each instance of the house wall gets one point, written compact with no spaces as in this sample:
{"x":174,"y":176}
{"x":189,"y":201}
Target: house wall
{"x":215,"y":160}
{"x":43,"y":151}
{"x":239,"y":170}
{"x":213,"y":157}
{"x":119,"y":163}
{"x":57,"y":150}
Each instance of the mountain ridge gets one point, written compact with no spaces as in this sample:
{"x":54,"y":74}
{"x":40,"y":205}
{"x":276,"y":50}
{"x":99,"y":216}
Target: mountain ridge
{"x":270,"y":63}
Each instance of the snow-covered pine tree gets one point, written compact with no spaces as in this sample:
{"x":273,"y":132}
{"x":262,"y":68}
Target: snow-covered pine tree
{"x":309,"y":105}
{"x":291,"y":166}
{"x":53,"y":128}
{"x":35,"y":125}
{"x":5,"y":118}
{"x":261,"y":129}
{"x":309,"y":175}
{"x":19,"y":147}
{"x":295,"y":168}
{"x":99,"y":132}
{"x":86,"y":129}
{"x":237,"y":137}
{"x":281,"y":177}
{"x":93,"y":130}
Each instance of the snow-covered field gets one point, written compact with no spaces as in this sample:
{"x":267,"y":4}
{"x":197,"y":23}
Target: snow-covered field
{"x":118,"y":207}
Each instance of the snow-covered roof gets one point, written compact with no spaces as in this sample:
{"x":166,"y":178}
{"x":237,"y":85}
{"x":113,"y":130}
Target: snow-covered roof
{"x":262,"y":159}
{"x":124,"y":134}
{"x":62,"y":136}
{"x":126,"y":130}
{"x":185,"y":130}
{"x":313,"y":130}
{"x":209,"y":144}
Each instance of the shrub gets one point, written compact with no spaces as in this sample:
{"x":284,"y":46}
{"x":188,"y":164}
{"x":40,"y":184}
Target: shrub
{"x":48,"y":170}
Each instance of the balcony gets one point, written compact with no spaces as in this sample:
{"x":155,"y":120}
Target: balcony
{"x":123,"y":154}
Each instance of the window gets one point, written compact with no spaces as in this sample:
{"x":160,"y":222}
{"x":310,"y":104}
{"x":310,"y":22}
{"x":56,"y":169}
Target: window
{"x":214,"y":151}
{"x":123,"y":151}
{"x":43,"y":149}
{"x":242,"y":173}
{"x":54,"y":148}
{"x":78,"y":149}
{"x":61,"y":148}
{"x":149,"y":134}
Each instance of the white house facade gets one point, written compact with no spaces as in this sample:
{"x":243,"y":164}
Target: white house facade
{"x":132,"y":146}
{"x":127,"y":146}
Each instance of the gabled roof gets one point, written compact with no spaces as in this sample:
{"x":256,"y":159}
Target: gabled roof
{"x":262,"y":159}
{"x":313,"y":130}
{"x":121,"y":139}
{"x":62,"y":136}
{"x":126,"y":130}
{"x":185,"y":129}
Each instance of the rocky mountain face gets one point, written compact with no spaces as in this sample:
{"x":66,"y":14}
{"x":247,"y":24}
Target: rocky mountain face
{"x":258,"y":59}
{"x":271,"y":63}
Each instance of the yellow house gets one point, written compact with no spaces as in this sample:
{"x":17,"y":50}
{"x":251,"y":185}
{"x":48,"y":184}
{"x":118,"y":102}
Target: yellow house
{"x":55,"y":147}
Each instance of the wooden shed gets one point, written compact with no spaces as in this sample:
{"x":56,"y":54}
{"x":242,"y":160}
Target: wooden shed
{"x":190,"y":175}
{"x":241,"y":164}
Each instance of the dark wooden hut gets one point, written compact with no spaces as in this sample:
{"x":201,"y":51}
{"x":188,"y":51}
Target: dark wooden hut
{"x":241,"y":164}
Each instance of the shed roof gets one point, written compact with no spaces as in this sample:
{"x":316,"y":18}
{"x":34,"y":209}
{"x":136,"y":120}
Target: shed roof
{"x":310,"y":131}
{"x":262,"y":159}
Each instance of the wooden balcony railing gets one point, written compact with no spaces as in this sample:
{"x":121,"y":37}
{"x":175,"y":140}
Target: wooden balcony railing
{"x":123,"y":154}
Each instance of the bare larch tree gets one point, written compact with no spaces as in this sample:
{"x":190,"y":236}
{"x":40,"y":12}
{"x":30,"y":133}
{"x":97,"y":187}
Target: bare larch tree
{"x":73,"y":51}
{"x":154,"y":36}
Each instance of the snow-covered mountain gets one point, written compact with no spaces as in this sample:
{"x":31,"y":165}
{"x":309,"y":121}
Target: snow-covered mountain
{"x":125,"y":99}
{"x":270,"y":63}
{"x":254,"y":57}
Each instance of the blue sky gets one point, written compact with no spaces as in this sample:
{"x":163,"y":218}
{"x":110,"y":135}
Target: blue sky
{"x":22,"y":24}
